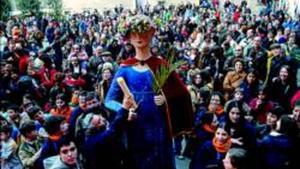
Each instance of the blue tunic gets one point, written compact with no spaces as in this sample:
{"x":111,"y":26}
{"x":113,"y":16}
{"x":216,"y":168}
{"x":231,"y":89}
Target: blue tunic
{"x":147,"y":137}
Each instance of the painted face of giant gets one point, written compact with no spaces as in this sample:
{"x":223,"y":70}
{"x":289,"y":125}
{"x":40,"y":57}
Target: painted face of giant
{"x":141,"y":40}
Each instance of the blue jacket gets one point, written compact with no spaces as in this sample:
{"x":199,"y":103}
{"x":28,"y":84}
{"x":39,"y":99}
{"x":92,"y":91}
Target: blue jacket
{"x":206,"y":157}
{"x":278,"y":152}
{"x":105,"y":149}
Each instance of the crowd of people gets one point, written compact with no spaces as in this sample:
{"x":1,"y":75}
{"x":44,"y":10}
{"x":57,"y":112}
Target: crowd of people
{"x":62,"y":108}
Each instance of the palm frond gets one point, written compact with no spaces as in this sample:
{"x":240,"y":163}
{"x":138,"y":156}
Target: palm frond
{"x":165,"y":70}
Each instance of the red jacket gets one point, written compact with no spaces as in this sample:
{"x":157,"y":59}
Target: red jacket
{"x":79,"y":82}
{"x":47,"y":77}
{"x":295,"y":98}
{"x":23,"y":62}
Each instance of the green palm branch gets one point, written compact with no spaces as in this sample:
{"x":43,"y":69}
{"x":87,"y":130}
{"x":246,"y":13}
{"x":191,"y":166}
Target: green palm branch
{"x":165,"y":70}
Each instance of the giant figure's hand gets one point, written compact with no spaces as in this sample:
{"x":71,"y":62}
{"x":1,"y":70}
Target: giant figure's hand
{"x":128,"y":102}
{"x":159,"y":100}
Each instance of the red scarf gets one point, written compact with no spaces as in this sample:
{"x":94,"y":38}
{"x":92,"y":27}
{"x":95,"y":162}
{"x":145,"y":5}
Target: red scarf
{"x":55,"y":137}
{"x":221,"y":147}
{"x":209,"y":128}
{"x":219,"y":111}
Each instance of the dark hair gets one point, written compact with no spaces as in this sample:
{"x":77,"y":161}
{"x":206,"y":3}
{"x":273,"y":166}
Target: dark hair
{"x":253,"y":71}
{"x":239,"y":60}
{"x":207,"y":118}
{"x":263,"y":90}
{"x":7,"y":129}
{"x":238,"y":157}
{"x":13,"y":107}
{"x":82,"y":93}
{"x":224,"y":126}
{"x":91,"y":96}
{"x":235,"y":104}
{"x":232,"y":105}
{"x":27,"y":127}
{"x":47,"y":60}
{"x":28,"y":96}
{"x":288,"y":126}
{"x":52,"y":124}
{"x":278,"y":111}
{"x":255,"y":84}
{"x":205,"y":77}
{"x":33,"y":111}
{"x":216,"y":93}
{"x":65,"y":141}
{"x":290,"y":73}
{"x":62,"y":97}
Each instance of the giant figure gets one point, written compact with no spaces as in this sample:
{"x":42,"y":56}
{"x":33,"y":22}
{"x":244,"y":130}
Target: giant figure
{"x":160,"y":115}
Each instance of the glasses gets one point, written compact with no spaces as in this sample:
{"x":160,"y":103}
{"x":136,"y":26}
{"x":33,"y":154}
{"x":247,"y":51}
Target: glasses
{"x":238,"y":49}
{"x":66,"y":151}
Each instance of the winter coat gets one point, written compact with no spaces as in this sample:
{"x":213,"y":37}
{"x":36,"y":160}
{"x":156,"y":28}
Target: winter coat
{"x":9,"y":157}
{"x":56,"y":163}
{"x":278,"y":152}
{"x":206,"y":157}
{"x":104,"y":149}
{"x":27,"y":153}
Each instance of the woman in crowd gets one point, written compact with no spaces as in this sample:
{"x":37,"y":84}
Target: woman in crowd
{"x":250,"y":86}
{"x":284,"y":87}
{"x":103,"y":86}
{"x":200,"y":88}
{"x":212,"y":152}
{"x":62,"y":108}
{"x":261,"y":105}
{"x":242,"y":133}
{"x":207,"y":119}
{"x":234,"y":78}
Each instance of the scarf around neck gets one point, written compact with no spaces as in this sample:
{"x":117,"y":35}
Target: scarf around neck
{"x":219,"y":111}
{"x":221,"y":147}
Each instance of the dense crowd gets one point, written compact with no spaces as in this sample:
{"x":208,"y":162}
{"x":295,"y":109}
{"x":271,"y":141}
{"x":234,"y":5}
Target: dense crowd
{"x":241,"y":70}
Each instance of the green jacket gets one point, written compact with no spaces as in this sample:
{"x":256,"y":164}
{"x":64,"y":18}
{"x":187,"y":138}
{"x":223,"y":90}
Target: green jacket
{"x":28,"y":153}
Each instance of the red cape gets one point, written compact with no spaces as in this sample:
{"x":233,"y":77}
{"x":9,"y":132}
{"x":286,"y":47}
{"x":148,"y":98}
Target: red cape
{"x":180,"y":114}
